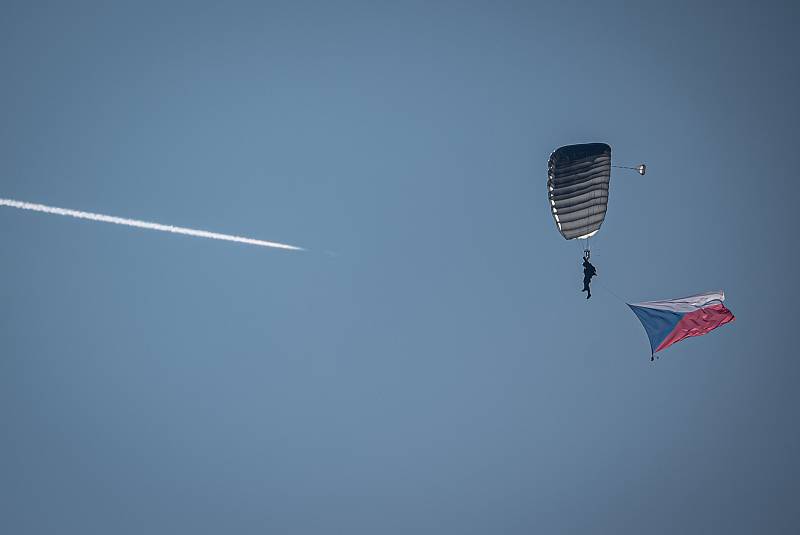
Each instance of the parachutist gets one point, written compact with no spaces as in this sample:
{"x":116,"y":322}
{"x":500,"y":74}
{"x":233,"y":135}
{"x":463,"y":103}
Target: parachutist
{"x":589,"y":271}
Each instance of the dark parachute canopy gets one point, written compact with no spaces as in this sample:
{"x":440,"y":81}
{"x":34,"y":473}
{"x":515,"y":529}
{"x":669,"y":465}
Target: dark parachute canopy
{"x":577,"y":184}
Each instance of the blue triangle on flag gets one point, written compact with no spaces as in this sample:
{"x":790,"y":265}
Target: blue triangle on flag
{"x":658,"y":323}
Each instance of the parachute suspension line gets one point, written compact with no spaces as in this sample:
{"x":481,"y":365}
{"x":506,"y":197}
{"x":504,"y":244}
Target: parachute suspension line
{"x":579,"y":245}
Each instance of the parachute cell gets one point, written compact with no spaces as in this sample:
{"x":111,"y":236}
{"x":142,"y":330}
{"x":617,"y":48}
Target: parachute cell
{"x":578,"y":177}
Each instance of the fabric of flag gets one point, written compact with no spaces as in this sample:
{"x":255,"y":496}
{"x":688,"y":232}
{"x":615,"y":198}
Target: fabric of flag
{"x":672,"y":320}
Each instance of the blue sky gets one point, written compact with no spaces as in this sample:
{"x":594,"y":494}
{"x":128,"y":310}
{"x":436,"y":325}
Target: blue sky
{"x":442,"y":373}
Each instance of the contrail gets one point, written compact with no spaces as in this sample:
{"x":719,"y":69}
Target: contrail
{"x":143,"y":224}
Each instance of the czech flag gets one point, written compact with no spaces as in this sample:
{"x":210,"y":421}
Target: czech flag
{"x":672,"y":320}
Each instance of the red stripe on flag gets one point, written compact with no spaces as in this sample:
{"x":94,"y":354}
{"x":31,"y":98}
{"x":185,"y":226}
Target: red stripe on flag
{"x":698,"y":323}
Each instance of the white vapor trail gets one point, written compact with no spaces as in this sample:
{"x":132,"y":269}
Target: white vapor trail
{"x":143,"y":224}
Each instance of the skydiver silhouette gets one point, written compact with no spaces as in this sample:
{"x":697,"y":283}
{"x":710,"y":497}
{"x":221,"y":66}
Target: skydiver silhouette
{"x":589,"y":271}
